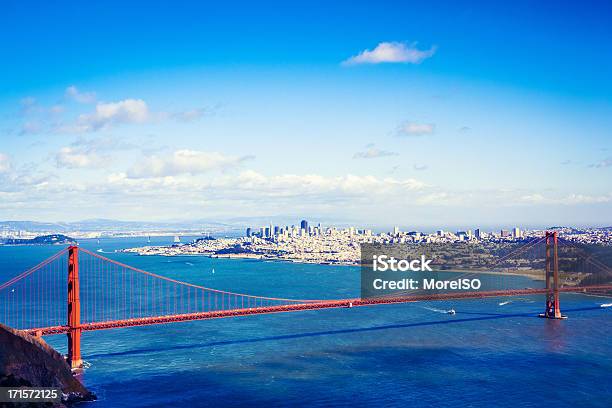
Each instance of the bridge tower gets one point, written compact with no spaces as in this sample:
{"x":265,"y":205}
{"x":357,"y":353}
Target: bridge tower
{"x":74,"y":309}
{"x":552,"y":310}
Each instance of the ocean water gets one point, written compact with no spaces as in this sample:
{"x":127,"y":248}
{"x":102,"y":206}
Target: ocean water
{"x":493,"y":352}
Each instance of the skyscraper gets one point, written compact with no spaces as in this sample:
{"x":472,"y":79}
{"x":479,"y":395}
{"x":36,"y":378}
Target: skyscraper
{"x":304,"y":225}
{"x":248,"y":232}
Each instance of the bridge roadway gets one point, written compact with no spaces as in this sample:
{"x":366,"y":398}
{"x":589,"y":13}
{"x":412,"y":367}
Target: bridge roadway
{"x":315,"y":305}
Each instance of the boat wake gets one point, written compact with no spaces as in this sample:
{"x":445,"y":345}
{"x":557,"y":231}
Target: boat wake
{"x":434,"y":309}
{"x":100,"y":250}
{"x":505,"y":302}
{"x":606,"y":305}
{"x":442,"y":311}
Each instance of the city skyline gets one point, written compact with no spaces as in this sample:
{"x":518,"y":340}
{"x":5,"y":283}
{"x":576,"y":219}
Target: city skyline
{"x":331,"y":112}
{"x":279,"y":232}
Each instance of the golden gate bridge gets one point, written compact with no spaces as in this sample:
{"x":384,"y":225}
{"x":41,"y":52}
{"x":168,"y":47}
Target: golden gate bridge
{"x":76,"y":291}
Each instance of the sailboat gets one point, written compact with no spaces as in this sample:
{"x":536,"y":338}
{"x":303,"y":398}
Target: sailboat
{"x":149,"y":239}
{"x":177,"y":240}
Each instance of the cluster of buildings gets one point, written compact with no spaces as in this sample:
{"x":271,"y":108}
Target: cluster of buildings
{"x":479,"y":235}
{"x":6,"y":233}
{"x":274,"y":231}
{"x":277,"y":233}
{"x":595,"y":236}
{"x":332,"y":245}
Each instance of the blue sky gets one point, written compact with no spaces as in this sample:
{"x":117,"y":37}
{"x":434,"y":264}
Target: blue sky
{"x":444,"y":114}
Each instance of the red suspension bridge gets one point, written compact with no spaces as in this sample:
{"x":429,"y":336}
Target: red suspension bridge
{"x":103,"y":293}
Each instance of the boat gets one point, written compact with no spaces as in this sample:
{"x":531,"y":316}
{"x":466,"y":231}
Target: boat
{"x":451,"y":312}
{"x":177,"y":239}
{"x":149,"y":239}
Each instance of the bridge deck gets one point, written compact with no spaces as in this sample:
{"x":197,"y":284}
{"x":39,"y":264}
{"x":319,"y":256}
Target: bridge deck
{"x":146,"y":321}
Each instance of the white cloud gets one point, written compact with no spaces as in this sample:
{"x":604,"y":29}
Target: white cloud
{"x":37,"y":118}
{"x":391,"y":52}
{"x":107,"y":114}
{"x":571,"y":199}
{"x":602,"y":164}
{"x":182,"y":162}
{"x":128,"y":111}
{"x":72,"y":157}
{"x":437,"y":198}
{"x":251,"y":186}
{"x":192,"y":114}
{"x":370,"y":198}
{"x":100,"y":144}
{"x":73,"y":93}
{"x":5,"y":163}
{"x":372,"y":153}
{"x":415,"y":129}
{"x":535,"y":198}
{"x":90,"y":152}
{"x":331,"y":188}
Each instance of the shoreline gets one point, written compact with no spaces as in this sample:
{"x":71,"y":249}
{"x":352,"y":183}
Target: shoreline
{"x":253,"y":257}
{"x":538,"y":275}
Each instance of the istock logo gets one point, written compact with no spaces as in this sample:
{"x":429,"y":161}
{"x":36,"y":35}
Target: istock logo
{"x":383,"y":263}
{"x":399,"y":269}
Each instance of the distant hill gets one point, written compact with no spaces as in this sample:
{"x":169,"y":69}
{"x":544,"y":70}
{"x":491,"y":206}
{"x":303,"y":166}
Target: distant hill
{"x":54,"y":239}
{"x":115,"y":225}
{"x":33,"y":226}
